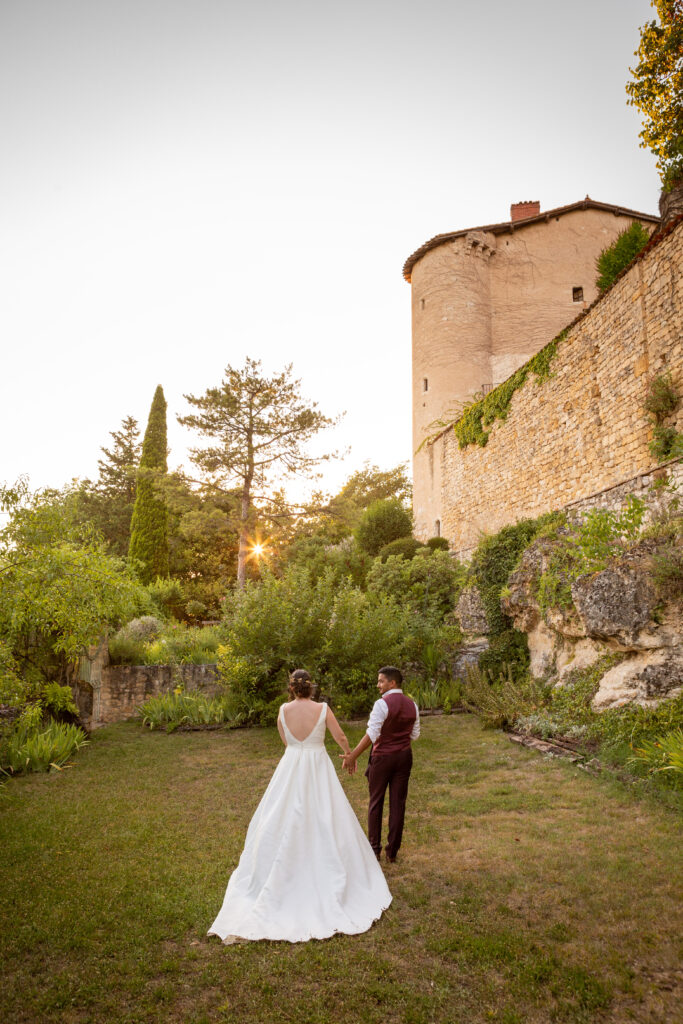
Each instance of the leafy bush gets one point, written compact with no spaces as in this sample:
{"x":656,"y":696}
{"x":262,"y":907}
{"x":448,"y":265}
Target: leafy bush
{"x":29,"y":747}
{"x":426,"y":586}
{"x":662,"y":398}
{"x":404,"y":547}
{"x":168,"y":596}
{"x":193,"y":708}
{"x":337,"y":632}
{"x":174,"y":643}
{"x":666,"y":443}
{"x":195,"y":609}
{"x":382,"y":522}
{"x":438,"y":544}
{"x":617,"y":256}
{"x":343,"y":559}
{"x":58,"y":700}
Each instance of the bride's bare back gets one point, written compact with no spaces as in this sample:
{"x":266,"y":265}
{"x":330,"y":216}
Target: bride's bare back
{"x":302,"y":716}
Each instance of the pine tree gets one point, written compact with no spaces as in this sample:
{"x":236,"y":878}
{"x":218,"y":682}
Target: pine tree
{"x":113,"y":495}
{"x":149,"y":524}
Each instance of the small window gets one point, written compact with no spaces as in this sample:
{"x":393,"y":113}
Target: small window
{"x":422,"y":303}
{"x":437,"y":528}
{"x":425,"y":384}
{"x":577,"y":294}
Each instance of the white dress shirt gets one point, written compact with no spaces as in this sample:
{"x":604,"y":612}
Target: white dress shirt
{"x":378,"y":717}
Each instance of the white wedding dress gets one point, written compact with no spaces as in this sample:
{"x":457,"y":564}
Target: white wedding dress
{"x":307,"y":869}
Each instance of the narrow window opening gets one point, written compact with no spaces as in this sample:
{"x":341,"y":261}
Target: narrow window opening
{"x":422,"y":303}
{"x":437,"y":528}
{"x":577,"y":294}
{"x":425,"y":384}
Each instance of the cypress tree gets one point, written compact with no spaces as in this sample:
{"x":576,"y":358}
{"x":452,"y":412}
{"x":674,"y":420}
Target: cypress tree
{"x":149,"y":525}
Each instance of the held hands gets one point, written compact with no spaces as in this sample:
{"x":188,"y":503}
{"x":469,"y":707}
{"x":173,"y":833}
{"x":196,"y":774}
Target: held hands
{"x":349,"y":762}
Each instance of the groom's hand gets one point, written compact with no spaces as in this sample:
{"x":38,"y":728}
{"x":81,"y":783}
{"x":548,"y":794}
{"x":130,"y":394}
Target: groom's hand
{"x":349,"y":762}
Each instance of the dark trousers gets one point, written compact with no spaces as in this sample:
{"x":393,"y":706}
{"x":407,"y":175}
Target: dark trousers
{"x":392,"y":770}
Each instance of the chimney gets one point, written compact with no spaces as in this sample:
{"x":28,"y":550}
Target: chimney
{"x":529,"y":208}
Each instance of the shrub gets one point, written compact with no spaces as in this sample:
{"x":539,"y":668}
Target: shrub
{"x":662,"y":398}
{"x":438,"y":544}
{"x":617,"y":256}
{"x":125,"y":650}
{"x":404,"y":547}
{"x":667,"y":571}
{"x":147,"y":627}
{"x":426,"y":586}
{"x":168,"y":596}
{"x":382,"y":522}
{"x":195,"y":609}
{"x":331,"y":628}
{"x":58,"y":700}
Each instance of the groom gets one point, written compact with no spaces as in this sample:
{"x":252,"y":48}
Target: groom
{"x":394,"y":722}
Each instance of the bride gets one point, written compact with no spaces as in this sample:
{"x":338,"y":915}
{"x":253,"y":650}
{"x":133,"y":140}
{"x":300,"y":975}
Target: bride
{"x":307,"y":869}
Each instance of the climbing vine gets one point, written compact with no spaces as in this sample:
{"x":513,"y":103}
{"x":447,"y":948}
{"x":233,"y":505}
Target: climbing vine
{"x":475,"y":417}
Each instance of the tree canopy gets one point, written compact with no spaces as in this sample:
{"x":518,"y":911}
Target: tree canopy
{"x":259,"y":427}
{"x":657,"y":88}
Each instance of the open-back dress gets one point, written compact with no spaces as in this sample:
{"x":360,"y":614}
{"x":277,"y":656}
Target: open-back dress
{"x":307,"y":869}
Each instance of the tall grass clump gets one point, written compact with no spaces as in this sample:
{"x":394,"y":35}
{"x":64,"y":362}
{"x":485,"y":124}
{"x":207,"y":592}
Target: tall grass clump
{"x":192,"y":708}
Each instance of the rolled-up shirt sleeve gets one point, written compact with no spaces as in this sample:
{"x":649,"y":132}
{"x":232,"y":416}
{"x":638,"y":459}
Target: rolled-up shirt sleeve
{"x":415,"y":732}
{"x":378,"y":717}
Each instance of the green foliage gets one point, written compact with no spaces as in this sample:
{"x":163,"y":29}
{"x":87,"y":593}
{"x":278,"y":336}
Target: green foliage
{"x":168,"y":596}
{"x":438,"y":544}
{"x":501,"y":702}
{"x":191,"y":708}
{"x":667,"y":571}
{"x":195,"y":609}
{"x":59,"y":590}
{"x":666,"y":443}
{"x":492,"y":563}
{"x":425,"y":586}
{"x":149,"y":523}
{"x":617,"y":256}
{"x":175,"y":643}
{"x":657,"y":88}
{"x":383,"y":521}
{"x":317,"y":557}
{"x":337,"y":632}
{"x":58,"y":700}
{"x":475,"y":417}
{"x":31,"y":748}
{"x":662,"y":398}
{"x":259,"y":428}
{"x":602,"y":537}
{"x":662,"y":754}
{"x":403,"y":547}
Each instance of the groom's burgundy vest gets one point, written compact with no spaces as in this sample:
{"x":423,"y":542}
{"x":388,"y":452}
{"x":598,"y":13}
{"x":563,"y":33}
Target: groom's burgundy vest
{"x":397,"y":727}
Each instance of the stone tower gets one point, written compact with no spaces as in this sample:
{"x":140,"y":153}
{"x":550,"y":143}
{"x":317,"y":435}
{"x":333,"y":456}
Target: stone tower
{"x":486,"y":299}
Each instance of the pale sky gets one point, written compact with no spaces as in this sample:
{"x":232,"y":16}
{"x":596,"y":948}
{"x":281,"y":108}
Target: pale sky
{"x":185,"y":182}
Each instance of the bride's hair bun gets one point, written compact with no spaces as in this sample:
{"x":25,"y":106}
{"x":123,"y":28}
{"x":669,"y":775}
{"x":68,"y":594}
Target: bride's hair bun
{"x":300,"y":683}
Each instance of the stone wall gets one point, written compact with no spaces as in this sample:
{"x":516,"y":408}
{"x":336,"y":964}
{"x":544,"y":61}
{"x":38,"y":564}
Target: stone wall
{"x":584,"y":432}
{"x":485,"y":302}
{"x":113,"y":692}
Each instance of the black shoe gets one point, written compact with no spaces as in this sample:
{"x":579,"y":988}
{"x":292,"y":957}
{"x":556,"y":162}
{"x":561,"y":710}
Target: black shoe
{"x":392,"y":860}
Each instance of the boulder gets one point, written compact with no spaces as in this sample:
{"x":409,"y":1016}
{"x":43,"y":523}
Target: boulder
{"x":616,"y":605}
{"x":645,"y":678}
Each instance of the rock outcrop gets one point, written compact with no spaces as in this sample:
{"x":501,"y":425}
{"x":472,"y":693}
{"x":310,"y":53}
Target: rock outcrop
{"x":616,"y":610}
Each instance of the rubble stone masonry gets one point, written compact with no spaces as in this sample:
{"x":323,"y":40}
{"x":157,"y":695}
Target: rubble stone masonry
{"x":585,"y":429}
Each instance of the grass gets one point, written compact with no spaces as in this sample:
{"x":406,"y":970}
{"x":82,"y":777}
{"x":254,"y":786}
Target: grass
{"x":526,"y":892}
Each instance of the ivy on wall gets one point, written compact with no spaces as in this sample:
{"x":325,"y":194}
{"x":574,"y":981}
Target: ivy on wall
{"x":470,"y":428}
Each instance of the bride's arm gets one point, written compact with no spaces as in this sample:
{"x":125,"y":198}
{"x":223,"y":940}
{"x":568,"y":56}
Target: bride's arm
{"x":335,"y":728}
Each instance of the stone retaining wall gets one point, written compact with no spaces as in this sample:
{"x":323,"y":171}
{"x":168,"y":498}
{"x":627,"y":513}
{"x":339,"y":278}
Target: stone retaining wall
{"x":115,"y":691}
{"x":584,"y":432}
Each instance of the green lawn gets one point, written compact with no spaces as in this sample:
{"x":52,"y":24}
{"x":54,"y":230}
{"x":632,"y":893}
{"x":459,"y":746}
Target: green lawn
{"x":526,"y":891}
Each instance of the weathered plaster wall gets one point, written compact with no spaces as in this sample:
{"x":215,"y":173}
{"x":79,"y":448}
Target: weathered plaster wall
{"x":482,"y":304}
{"x":585,"y":429}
